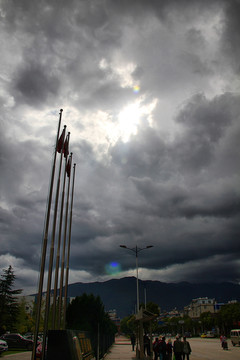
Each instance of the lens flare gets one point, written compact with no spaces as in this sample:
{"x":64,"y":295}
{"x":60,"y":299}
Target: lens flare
{"x":113,"y":268}
{"x":136,"y":89}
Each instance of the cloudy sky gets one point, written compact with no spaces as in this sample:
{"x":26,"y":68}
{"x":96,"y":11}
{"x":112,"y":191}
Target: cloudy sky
{"x":150,"y":92}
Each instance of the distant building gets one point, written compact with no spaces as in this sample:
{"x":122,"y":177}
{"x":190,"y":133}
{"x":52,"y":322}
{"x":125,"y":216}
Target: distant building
{"x":174,"y":313}
{"x":199,"y":306}
{"x":113,"y":316}
{"x":30,"y":300}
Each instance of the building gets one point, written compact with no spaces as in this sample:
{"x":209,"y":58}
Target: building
{"x":113,"y":316}
{"x":199,"y":306}
{"x":30,"y":300}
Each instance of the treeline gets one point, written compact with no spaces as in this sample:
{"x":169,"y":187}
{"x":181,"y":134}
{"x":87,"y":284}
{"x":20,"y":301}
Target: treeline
{"x":221,"y":322}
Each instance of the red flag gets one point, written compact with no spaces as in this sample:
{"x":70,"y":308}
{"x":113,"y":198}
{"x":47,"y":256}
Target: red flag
{"x":65,"y":148}
{"x":68,"y":167}
{"x":60,"y":142}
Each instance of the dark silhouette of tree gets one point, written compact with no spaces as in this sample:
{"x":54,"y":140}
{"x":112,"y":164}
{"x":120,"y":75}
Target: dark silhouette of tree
{"x":9,"y":306}
{"x":87,"y":313}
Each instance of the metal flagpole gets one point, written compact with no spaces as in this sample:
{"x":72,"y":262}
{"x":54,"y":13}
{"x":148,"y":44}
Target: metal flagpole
{"x":44,"y":245}
{"x":63,"y":251}
{"x":47,"y":305}
{"x":59,"y":238}
{"x":68,"y":253}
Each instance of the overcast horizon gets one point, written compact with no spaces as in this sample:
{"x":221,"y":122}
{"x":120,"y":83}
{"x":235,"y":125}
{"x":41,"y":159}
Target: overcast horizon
{"x":150,"y":92}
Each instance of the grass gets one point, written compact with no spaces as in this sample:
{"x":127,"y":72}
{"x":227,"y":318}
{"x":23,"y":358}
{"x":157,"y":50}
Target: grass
{"x":11,"y":352}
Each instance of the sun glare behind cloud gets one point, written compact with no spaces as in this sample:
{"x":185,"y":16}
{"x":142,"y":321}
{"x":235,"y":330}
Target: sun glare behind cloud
{"x":128,"y":121}
{"x":130,"y":118}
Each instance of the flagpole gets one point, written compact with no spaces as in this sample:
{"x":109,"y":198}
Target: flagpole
{"x":63,"y":251}
{"x":47,"y":305}
{"x":68,"y":253}
{"x":59,"y":236}
{"x":44,"y":245}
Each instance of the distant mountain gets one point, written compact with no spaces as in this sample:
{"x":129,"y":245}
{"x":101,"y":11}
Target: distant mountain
{"x":120,"y":294}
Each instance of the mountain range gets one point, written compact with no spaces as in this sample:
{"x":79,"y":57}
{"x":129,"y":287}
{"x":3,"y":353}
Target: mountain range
{"x":120,"y":294}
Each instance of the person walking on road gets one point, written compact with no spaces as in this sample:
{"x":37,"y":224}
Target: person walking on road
{"x":178,"y":348}
{"x":146,"y":344}
{"x":224,"y":343}
{"x":156,"y":348}
{"x":169,"y":349}
{"x":162,"y":349}
{"x":186,"y":348}
{"x":133,"y":340}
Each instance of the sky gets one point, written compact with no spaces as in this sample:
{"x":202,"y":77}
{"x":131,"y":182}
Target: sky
{"x":150,"y":92}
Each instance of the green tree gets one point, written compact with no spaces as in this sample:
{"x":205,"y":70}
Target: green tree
{"x":207,"y":320}
{"x":128,"y":325}
{"x":228,"y":317}
{"x":9,"y":306}
{"x":154,"y":309}
{"x":24,"y":320}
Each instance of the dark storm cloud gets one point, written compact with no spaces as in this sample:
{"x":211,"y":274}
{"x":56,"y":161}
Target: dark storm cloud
{"x":35,"y":86}
{"x":231,"y":36}
{"x":168,"y":202}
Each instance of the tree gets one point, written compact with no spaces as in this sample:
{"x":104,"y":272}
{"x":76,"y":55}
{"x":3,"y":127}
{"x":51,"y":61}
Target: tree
{"x":87,"y":313}
{"x":128,"y":325}
{"x":152,"y":308}
{"x":24,"y":320}
{"x":228,"y":317}
{"x":207,"y":320}
{"x":8,"y":301}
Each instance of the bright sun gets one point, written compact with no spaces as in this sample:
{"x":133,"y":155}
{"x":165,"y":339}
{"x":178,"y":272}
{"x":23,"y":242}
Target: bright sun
{"x":129,"y":119}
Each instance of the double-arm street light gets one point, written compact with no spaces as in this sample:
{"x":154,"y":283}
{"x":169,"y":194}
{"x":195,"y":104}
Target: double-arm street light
{"x":136,"y":250}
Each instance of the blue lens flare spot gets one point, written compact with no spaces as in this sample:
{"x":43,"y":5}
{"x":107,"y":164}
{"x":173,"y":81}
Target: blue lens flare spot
{"x":113,"y":268}
{"x":136,"y":89}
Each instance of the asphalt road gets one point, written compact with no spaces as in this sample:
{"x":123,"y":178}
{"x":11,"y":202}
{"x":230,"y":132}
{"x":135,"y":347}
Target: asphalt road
{"x":210,"y":349}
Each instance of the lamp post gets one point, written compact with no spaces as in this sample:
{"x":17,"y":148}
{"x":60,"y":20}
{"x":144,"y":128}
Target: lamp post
{"x":136,"y":250}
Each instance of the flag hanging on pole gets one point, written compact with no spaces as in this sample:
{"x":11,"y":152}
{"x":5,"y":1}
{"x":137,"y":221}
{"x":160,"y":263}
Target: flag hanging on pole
{"x":60,"y":142}
{"x":68,"y":167}
{"x":65,"y":148}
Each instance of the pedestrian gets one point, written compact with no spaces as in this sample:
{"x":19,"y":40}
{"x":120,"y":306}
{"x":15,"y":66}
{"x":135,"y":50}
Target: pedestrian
{"x":221,"y":340}
{"x":162,"y":349}
{"x":146,"y":344}
{"x":156,"y":348}
{"x":133,"y":340}
{"x":224,"y":343}
{"x":169,"y":349}
{"x":178,"y":348}
{"x":186,"y":348}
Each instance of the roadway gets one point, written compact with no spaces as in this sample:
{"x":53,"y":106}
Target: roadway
{"x":210,"y":349}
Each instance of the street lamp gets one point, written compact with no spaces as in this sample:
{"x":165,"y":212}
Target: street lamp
{"x":136,"y":250}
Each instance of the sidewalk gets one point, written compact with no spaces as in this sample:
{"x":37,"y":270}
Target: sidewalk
{"x":121,"y":350}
